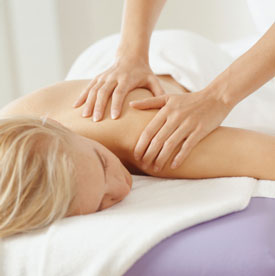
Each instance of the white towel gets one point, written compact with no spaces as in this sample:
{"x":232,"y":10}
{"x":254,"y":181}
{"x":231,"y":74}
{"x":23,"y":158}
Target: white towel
{"x":111,"y":241}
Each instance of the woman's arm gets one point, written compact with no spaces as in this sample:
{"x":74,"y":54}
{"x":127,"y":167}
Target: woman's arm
{"x":139,"y":19}
{"x":131,"y":67}
{"x":226,"y":151}
{"x":247,"y":73}
{"x":192,"y":117}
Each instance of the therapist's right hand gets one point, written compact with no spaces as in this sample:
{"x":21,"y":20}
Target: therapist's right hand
{"x":117,"y":81}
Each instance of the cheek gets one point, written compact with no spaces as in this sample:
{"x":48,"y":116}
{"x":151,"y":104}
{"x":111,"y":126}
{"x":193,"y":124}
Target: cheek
{"x":88,"y":190}
{"x":86,"y":200}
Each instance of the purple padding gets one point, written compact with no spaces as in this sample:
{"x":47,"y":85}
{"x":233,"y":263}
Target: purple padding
{"x":238,"y":244}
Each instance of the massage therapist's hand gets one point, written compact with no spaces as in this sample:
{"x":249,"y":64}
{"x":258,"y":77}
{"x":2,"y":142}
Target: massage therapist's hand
{"x":117,"y":81}
{"x":188,"y":117}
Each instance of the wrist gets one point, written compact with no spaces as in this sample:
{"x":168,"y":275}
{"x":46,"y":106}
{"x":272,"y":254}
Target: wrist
{"x":130,"y":55}
{"x":134,"y":50}
{"x":223,"y":90}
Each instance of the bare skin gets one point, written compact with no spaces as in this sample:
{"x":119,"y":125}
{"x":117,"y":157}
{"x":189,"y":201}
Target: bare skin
{"x":226,"y":151}
{"x":191,"y":118}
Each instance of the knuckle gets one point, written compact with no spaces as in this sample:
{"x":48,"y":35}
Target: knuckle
{"x":102,"y":90}
{"x":123,"y":78}
{"x":111,"y":77}
{"x":200,"y":128}
{"x":168,"y":143}
{"x":176,"y":118}
{"x":119,"y":91}
{"x":100,"y":78}
{"x":156,"y":141}
{"x":188,"y":121}
{"x":147,"y":133}
{"x":93,"y":89}
{"x":187,"y":147}
{"x":170,"y":108}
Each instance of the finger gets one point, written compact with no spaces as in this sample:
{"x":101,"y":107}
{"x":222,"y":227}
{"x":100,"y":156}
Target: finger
{"x":118,"y":99}
{"x":157,"y":143}
{"x":155,"y":87}
{"x":148,"y":133}
{"x":88,"y":108}
{"x":102,"y":98}
{"x":186,"y":148}
{"x":84,"y":94}
{"x":179,"y":135}
{"x":153,"y":102}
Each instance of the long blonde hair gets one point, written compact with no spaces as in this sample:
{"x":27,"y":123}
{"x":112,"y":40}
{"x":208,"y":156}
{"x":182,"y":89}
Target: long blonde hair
{"x":37,"y":174}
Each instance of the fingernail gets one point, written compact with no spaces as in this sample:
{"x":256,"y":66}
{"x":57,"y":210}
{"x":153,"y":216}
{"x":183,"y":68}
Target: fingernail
{"x":136,"y":156}
{"x":74,"y":105}
{"x":96,"y":116}
{"x":174,"y":164}
{"x":114,"y":114}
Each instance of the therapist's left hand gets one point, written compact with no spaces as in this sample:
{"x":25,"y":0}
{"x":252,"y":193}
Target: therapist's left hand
{"x":188,"y":117}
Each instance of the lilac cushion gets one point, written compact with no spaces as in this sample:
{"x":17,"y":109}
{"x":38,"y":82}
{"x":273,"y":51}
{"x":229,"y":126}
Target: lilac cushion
{"x":240,"y":243}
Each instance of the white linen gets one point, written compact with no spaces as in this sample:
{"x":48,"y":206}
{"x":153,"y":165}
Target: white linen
{"x":111,"y":241}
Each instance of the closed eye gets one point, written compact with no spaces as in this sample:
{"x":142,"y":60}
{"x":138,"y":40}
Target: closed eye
{"x":105,"y":162}
{"x":105,"y":166}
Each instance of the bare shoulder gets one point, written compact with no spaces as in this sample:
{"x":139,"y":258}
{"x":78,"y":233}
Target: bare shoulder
{"x":50,"y":95}
{"x":120,"y":135}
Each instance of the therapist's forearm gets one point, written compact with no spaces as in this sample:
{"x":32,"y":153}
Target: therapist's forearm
{"x":139,"y":19}
{"x":247,"y":73}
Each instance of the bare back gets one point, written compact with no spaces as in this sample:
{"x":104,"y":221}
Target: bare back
{"x":120,"y":135}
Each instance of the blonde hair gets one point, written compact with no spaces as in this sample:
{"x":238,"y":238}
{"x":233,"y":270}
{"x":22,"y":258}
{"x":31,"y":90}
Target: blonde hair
{"x":37,"y":174}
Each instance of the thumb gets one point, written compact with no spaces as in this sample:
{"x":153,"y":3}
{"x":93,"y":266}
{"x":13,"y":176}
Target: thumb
{"x":153,"y":102}
{"x":155,"y":87}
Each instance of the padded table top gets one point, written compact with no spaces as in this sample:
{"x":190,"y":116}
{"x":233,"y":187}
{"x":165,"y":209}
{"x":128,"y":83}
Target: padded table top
{"x":240,"y":243}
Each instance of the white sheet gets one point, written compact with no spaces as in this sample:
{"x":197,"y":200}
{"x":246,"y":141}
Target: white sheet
{"x":111,"y":241}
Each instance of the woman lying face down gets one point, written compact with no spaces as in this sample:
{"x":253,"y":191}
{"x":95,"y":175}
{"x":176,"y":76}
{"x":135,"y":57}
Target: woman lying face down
{"x":52,"y":167}
{"x":48,"y":172}
{"x":101,"y":178}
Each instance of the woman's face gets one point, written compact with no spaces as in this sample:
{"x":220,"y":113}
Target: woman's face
{"x":101,"y":178}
